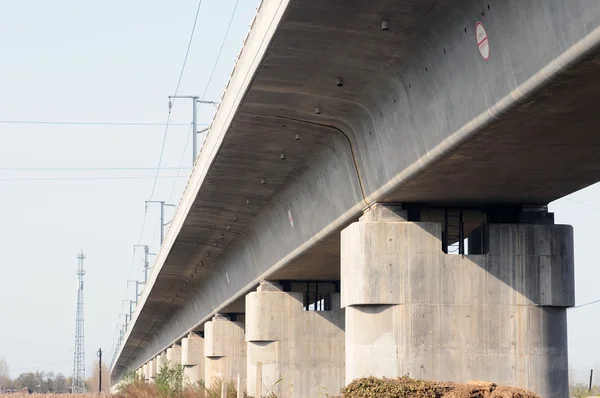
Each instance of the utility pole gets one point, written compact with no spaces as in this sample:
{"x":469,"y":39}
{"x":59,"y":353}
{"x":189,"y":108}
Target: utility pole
{"x":162,"y":216}
{"x":195,"y":101}
{"x":121,"y":335}
{"x":99,"y":353}
{"x":137,"y":288}
{"x":116,"y":349}
{"x":78,"y":385}
{"x":130,"y":309}
{"x":126,"y":322}
{"x":146,"y":264}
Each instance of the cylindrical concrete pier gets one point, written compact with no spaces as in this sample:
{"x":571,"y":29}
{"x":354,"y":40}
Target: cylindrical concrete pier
{"x":174,"y":355}
{"x":224,"y":350}
{"x":161,"y":361}
{"x":192,"y":359}
{"x":152,"y":370}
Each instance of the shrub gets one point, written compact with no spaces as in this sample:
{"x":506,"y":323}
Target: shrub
{"x":393,"y":388}
{"x":169,"y":381}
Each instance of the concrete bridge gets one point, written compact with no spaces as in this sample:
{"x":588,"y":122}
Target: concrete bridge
{"x":356,"y":147}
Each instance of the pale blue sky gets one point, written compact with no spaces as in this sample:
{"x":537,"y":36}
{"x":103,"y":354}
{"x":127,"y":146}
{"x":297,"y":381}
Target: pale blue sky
{"x":92,"y":61}
{"x":118,"y":61}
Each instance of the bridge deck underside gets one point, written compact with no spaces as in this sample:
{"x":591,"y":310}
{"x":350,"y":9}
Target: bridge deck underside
{"x":408,"y":124}
{"x":544,"y":148}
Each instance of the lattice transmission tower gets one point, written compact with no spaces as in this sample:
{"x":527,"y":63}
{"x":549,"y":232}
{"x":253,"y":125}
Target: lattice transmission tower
{"x":78,"y":385}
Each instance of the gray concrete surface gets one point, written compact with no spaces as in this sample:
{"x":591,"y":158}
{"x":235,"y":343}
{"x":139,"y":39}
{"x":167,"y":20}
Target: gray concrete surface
{"x":302,"y":352}
{"x":224,"y":351}
{"x":174,"y":355}
{"x":152,"y":370}
{"x":500,"y":316}
{"x":192,"y":358}
{"x":161,"y":361}
{"x":420,"y":118}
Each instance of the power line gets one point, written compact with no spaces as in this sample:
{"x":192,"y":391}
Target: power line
{"x":203,"y":95}
{"x":205,"y":91}
{"x":40,"y":366}
{"x":585,"y":304}
{"x":598,"y":209}
{"x":209,"y":81}
{"x":583,"y":203}
{"x":187,"y":141}
{"x":115,"y":346}
{"x":210,"y":77}
{"x":212,"y":73}
{"x":44,"y":365}
{"x":91,"y":123}
{"x":89,"y":168}
{"x":91,"y":178}
{"x":162,"y":149}
{"x":221,"y":49}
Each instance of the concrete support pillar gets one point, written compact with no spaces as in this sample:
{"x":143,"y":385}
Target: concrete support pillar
{"x":497,"y":316}
{"x":174,"y":355}
{"x":145,"y":372}
{"x":302,"y":352}
{"x":224,"y":350}
{"x":152,"y":371}
{"x":161,"y":361}
{"x":192,"y":358}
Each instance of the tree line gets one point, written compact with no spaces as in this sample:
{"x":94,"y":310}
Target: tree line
{"x":49,"y":382}
{"x":44,"y":382}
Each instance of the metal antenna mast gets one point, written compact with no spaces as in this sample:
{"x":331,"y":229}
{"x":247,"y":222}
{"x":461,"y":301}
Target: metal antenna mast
{"x":78,"y":385}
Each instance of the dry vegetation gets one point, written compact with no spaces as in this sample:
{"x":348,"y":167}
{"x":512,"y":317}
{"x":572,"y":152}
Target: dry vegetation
{"x":54,"y":395}
{"x":145,"y":390}
{"x":405,"y":387}
{"x":169,"y":383}
{"x":370,"y":387}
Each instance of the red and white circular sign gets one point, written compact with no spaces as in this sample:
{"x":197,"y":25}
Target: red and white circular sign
{"x":482,"y":40}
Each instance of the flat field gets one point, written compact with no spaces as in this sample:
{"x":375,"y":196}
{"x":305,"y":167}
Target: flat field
{"x":36,"y":395}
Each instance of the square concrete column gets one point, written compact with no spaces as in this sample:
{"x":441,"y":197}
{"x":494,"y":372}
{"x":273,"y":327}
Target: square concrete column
{"x":192,"y":359}
{"x":302,"y":352}
{"x":498,"y":316}
{"x":224,"y":350}
{"x":161,"y":361}
{"x":174,"y":355}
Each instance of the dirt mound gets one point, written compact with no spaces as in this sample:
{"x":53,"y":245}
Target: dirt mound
{"x":488,"y":390}
{"x":406,"y":387}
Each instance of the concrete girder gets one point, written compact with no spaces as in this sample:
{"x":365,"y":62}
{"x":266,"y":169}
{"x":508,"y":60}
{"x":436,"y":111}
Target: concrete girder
{"x":420,"y":113}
